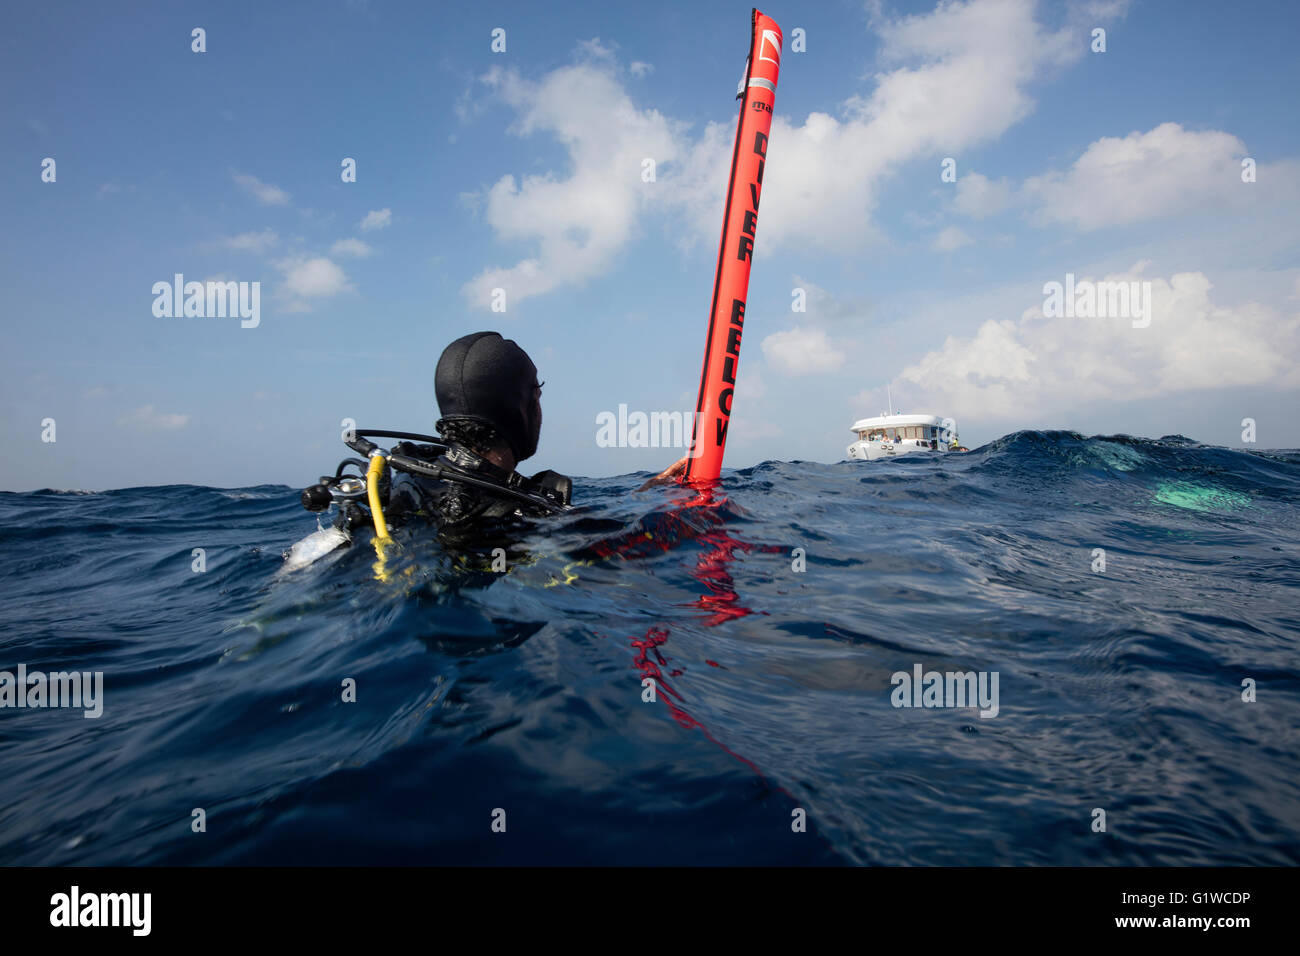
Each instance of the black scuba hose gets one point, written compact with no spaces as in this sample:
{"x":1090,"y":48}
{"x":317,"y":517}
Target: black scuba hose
{"x":338,"y":472}
{"x":409,"y":436}
{"x":416,"y":467}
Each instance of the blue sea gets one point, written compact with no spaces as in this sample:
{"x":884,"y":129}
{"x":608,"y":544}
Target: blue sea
{"x":1137,"y":601}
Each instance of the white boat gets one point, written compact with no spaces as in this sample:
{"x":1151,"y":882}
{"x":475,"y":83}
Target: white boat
{"x":889,"y":435}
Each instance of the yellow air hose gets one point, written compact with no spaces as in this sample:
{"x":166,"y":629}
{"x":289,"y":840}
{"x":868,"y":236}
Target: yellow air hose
{"x":373,"y":474}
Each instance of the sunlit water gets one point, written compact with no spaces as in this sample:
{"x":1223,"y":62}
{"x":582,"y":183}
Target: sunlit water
{"x":1119,"y":690}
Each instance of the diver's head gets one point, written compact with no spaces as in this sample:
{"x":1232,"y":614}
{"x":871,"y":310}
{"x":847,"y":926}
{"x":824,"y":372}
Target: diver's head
{"x":489,"y":396}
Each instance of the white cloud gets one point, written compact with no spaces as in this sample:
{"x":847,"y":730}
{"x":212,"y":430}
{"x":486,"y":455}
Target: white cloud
{"x":979,"y":197}
{"x":145,"y":417}
{"x":578,"y":223}
{"x":955,"y":77}
{"x":264,"y":193}
{"x":962,"y":79}
{"x":376,"y":219}
{"x":351,"y":247}
{"x":594,"y":51}
{"x":252,"y":241}
{"x":639,"y":69}
{"x":950,"y":239}
{"x":314,"y":278}
{"x":801,"y":351}
{"x":1014,"y":368}
{"x":1141,"y":176}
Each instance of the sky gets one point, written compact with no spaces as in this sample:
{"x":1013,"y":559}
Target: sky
{"x":932,"y":169}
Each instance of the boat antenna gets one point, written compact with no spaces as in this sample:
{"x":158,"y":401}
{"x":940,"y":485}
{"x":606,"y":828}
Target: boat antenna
{"x":891,"y":399}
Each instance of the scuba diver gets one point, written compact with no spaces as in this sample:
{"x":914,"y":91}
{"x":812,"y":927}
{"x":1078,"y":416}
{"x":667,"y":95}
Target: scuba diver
{"x":464,"y":480}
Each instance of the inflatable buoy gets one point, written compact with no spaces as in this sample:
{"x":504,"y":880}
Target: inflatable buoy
{"x":757,"y":93}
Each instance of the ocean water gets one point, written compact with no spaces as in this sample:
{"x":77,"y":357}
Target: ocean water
{"x":516,"y":698}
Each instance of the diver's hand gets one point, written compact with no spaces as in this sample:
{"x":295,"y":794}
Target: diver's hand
{"x":675,"y":470}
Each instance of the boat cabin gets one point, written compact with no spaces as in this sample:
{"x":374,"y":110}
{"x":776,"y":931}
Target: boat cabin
{"x":895,"y":433}
{"x":889,"y":434}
